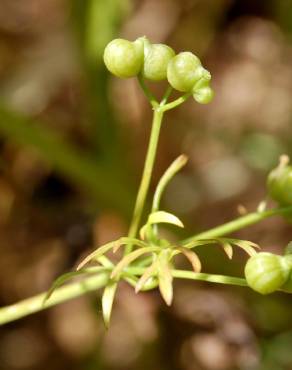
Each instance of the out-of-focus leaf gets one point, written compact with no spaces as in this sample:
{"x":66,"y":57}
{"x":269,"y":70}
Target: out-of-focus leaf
{"x":192,"y":257}
{"x":247,"y":246}
{"x":147,"y":275}
{"x":131,"y":257}
{"x":227,"y":247}
{"x":67,"y":276}
{"x":165,"y":277}
{"x":160,"y":217}
{"x":105,"y":248}
{"x":107,"y":301}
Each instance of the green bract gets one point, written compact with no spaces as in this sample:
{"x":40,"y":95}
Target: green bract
{"x":183,"y":71}
{"x":267,"y":272}
{"x":157,"y":57}
{"x":124,"y":58}
{"x":280,"y":184}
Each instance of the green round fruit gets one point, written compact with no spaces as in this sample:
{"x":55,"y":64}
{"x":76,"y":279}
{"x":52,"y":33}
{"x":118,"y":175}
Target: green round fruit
{"x":280,"y":184}
{"x":183,"y":71}
{"x":203,"y":95}
{"x":124,"y":58}
{"x":266,"y":272}
{"x":156,"y":59}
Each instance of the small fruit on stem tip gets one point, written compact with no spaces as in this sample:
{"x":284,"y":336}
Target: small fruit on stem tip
{"x":266,"y":272}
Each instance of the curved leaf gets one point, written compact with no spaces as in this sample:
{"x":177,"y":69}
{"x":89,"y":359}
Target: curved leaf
{"x":160,"y":217}
{"x":106,"y":247}
{"x":67,"y":276}
{"x":107,"y":301}
{"x":192,"y":257}
{"x":130,"y":258}
{"x":165,"y":277}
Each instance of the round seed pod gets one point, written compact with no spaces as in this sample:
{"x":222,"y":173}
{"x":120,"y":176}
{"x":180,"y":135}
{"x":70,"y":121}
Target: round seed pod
{"x":204,"y":95}
{"x":183,"y":71}
{"x":279,"y":182}
{"x":124,"y":58}
{"x":157,"y":57}
{"x":266,"y":272}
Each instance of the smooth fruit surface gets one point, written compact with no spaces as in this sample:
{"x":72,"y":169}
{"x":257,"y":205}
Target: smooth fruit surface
{"x":204,"y":95}
{"x":183,"y":72}
{"x":280,"y":184}
{"x":157,"y":57}
{"x":124,"y":58}
{"x":266,"y":272}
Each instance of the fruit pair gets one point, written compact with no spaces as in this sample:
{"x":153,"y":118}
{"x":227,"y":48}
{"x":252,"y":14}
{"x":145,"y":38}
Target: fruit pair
{"x":157,"y":62}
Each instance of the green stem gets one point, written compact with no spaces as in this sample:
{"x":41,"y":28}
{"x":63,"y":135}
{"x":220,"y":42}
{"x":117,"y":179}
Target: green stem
{"x":212,"y":278}
{"x":239,"y":223}
{"x":176,"y":102}
{"x":73,"y":290}
{"x":147,"y":174}
{"x":36,"y":303}
{"x":153,"y":101}
{"x":166,"y":95}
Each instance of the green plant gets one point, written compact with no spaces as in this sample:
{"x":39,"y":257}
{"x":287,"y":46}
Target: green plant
{"x":148,"y":260}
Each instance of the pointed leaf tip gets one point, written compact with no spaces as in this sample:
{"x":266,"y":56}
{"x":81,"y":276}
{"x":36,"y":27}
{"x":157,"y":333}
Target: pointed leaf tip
{"x":107,"y":301}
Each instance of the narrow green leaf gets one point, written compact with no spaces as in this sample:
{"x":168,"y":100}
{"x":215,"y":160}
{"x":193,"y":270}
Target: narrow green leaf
{"x":164,"y":217}
{"x":98,"y":252}
{"x":160,"y":217}
{"x":165,"y":277}
{"x":67,"y":276}
{"x":107,"y":301}
{"x":130,"y":258}
{"x":105,"y":248}
{"x":197,"y":243}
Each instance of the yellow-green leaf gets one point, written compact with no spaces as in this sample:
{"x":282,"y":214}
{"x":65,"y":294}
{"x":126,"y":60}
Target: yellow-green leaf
{"x":147,"y":275}
{"x":160,"y":217}
{"x":165,"y":277}
{"x":107,"y":301}
{"x":192,"y":257}
{"x":227,"y":247}
{"x":130,"y":258}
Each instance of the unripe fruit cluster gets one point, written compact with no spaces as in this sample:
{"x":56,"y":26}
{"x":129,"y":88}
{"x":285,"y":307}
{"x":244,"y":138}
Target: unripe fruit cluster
{"x":157,"y":62}
{"x":266,"y":272}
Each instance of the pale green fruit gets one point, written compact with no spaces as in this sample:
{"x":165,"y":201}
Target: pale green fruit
{"x":183,"y":71}
{"x":157,"y":57}
{"x":266,"y":272}
{"x":280,"y":184}
{"x":204,"y":95}
{"x":124,"y":58}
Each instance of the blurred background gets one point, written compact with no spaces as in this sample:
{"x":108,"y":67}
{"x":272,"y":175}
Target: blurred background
{"x":73,"y":141}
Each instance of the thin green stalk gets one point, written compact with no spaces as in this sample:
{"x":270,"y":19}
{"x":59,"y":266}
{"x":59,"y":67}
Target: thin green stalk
{"x":166,"y":95}
{"x":153,"y":101}
{"x":239,"y":223}
{"x":176,"y":102}
{"x":147,"y":174}
{"x":36,"y":303}
{"x":212,"y":278}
